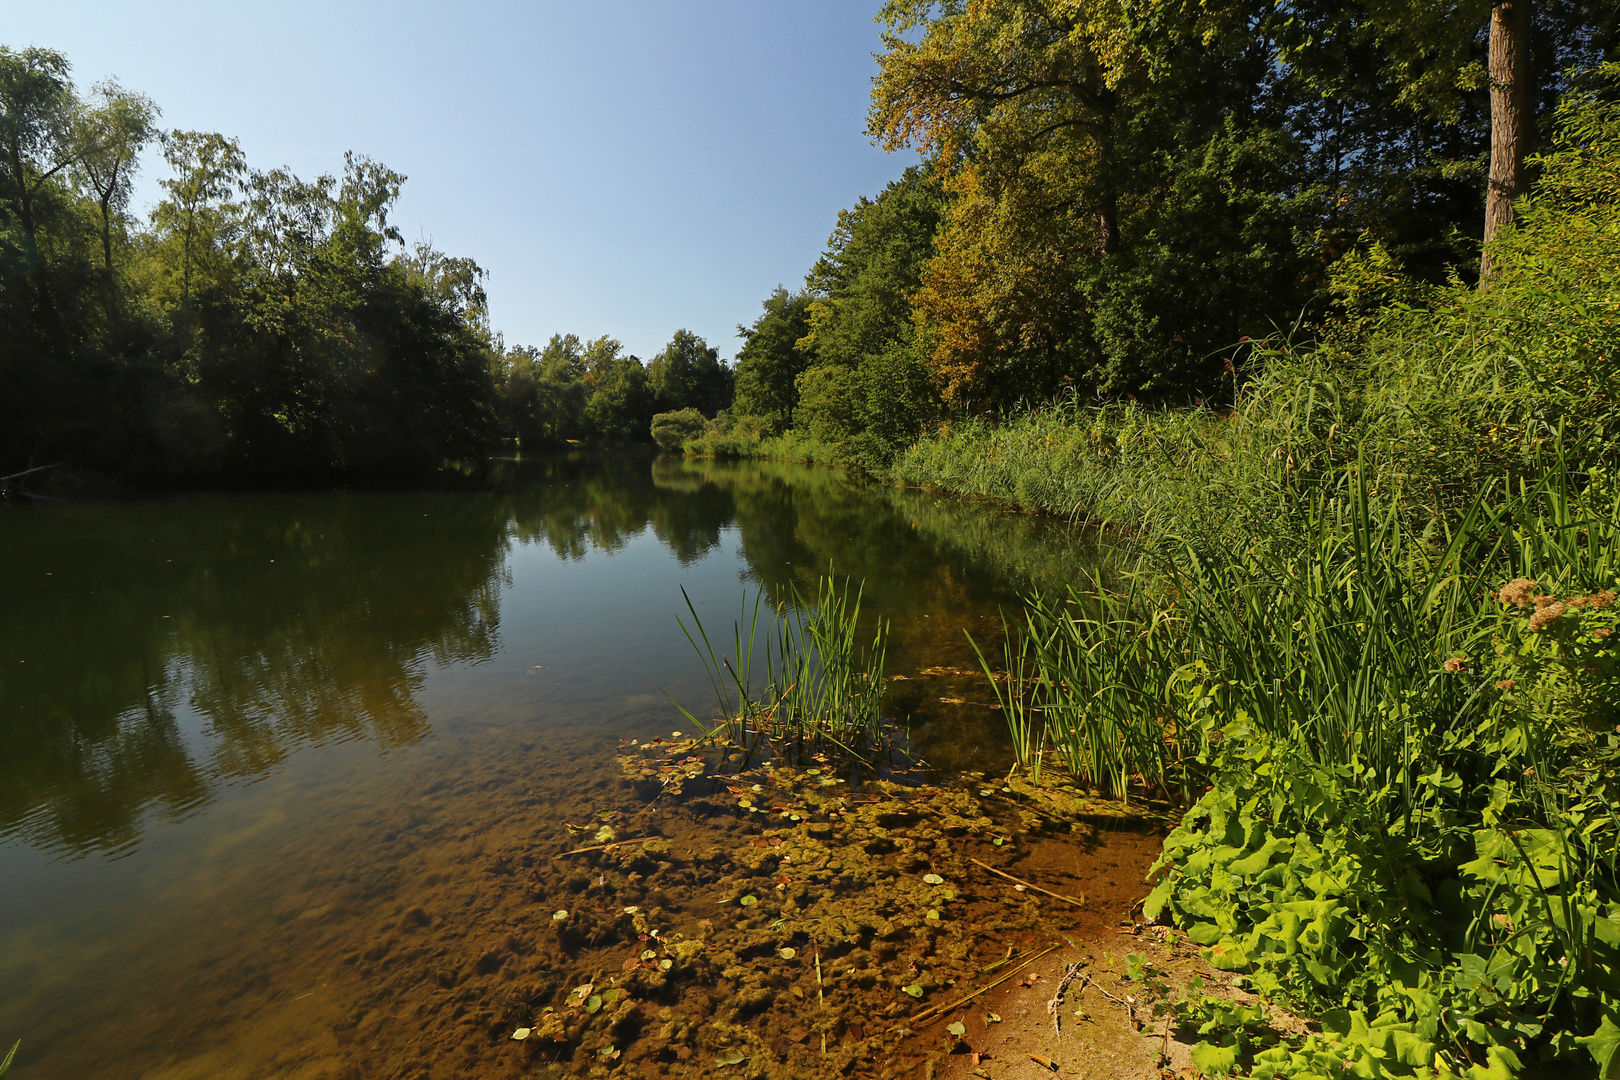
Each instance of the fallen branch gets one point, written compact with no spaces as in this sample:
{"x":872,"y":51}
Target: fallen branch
{"x":934,"y":1013}
{"x":1020,"y":881}
{"x":604,"y":847}
{"x":1071,"y":972}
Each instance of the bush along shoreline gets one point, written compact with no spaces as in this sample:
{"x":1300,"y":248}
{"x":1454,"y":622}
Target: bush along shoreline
{"x":1368,"y":643}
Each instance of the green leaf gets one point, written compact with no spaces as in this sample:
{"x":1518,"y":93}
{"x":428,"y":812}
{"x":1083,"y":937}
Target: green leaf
{"x":914,"y":990}
{"x":593,"y":1003}
{"x":1603,"y":1044}
{"x":1211,"y":1058}
{"x":958,"y":1029}
{"x":748,"y":901}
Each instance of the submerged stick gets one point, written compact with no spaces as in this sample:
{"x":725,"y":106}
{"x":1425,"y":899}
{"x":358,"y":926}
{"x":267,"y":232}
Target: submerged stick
{"x":932,"y":1014}
{"x":1020,"y":881}
{"x":603,"y":847}
{"x":820,"y":997}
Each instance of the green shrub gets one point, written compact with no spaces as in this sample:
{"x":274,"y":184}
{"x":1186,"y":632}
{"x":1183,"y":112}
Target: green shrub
{"x":670,"y":430}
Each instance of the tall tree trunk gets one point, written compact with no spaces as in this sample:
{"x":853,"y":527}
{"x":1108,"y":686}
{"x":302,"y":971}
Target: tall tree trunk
{"x":1512,"y":126}
{"x":110,"y":298}
{"x":35,"y":257}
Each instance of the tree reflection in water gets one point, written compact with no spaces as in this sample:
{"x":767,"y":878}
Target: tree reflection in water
{"x":156,"y":650}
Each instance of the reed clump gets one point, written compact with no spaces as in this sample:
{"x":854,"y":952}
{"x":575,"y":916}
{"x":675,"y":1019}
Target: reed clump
{"x":810,"y":682}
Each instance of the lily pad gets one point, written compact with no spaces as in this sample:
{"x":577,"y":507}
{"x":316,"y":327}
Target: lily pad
{"x":914,"y":990}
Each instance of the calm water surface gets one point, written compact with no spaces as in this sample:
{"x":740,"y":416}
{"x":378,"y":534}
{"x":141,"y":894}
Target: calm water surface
{"x":234,"y":728}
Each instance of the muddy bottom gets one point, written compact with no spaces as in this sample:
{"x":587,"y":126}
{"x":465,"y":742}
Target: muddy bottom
{"x":771,"y":924}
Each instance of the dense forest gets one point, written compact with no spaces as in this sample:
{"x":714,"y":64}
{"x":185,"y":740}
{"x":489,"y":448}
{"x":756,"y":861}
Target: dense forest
{"x":260,"y":324}
{"x":1122,"y":205}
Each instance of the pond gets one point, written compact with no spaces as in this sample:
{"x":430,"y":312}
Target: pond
{"x":253,"y":742}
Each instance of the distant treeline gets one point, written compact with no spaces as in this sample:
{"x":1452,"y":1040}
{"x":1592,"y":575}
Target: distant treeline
{"x":257,"y":323}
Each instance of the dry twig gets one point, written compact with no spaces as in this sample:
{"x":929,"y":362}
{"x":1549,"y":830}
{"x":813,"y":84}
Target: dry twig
{"x":1020,"y":881}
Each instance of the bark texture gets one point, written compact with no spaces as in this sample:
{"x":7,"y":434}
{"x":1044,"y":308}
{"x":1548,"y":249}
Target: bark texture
{"x":1511,"y":122}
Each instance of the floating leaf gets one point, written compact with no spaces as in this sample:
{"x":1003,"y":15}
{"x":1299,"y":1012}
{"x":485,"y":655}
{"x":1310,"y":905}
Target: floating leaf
{"x":666,"y":964}
{"x":933,"y":914}
{"x":788,"y":954}
{"x":958,"y":1029}
{"x":748,"y":901}
{"x":608,"y":1053}
{"x":648,"y":954}
{"x":593,"y":1003}
{"x":998,"y":841}
{"x":730,"y":1057}
{"x":612,"y":995}
{"x":933,"y":879}
{"x":914,"y":990}
{"x":558,"y":916}
{"x":520,"y":1034}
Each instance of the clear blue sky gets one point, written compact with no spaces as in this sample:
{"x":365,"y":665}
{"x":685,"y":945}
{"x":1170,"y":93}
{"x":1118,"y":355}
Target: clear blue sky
{"x":623,"y":167}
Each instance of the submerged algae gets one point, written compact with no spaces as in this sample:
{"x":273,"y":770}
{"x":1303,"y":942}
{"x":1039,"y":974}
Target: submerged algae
{"x":783,"y":924}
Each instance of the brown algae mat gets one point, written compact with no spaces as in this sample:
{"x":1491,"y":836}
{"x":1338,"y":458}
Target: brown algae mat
{"x":776,"y":923}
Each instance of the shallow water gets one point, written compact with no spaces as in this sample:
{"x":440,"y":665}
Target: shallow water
{"x":241,"y":733}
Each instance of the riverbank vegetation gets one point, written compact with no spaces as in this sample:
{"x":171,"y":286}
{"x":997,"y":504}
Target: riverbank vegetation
{"x":1374,"y":614}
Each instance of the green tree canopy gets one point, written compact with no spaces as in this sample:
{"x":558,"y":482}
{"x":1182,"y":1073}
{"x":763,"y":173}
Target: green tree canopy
{"x":687,"y":373}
